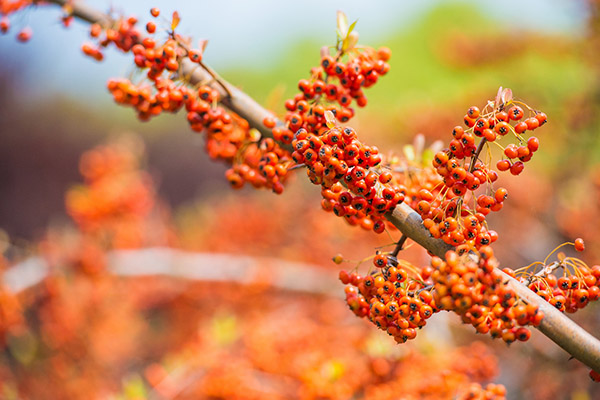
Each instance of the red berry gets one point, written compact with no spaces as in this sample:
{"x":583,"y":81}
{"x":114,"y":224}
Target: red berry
{"x":579,"y":244}
{"x":515,"y":113}
{"x":503,"y":165}
{"x":473,"y":112}
{"x":517,"y":168}
{"x":542,"y":118}
{"x":151,"y":27}
{"x":532,"y":123}
{"x":520,"y":127}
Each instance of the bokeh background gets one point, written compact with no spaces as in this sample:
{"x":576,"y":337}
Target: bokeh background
{"x":446,"y":56}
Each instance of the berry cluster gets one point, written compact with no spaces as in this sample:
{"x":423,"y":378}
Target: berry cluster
{"x":320,"y":94}
{"x":446,"y":208}
{"x":8,"y":7}
{"x":353,"y":185}
{"x":123,"y":34}
{"x":398,"y":297}
{"x":477,"y":292}
{"x":116,"y":199}
{"x":261,"y":162}
{"x":476,"y":391}
{"x":578,"y":285}
{"x":394,"y":297}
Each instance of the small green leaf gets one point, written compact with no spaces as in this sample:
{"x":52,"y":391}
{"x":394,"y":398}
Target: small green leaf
{"x":352,"y":27}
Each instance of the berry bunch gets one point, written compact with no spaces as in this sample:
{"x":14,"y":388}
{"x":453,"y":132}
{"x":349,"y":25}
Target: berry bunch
{"x":398,"y":297}
{"x":8,"y":7}
{"x":578,"y":285}
{"x":116,"y":200}
{"x":389,"y":299}
{"x":333,"y":86}
{"x":476,"y":391}
{"x":122,"y":33}
{"x":452,"y":210}
{"x":477,"y":292}
{"x":259,"y":161}
{"x":353,"y":185}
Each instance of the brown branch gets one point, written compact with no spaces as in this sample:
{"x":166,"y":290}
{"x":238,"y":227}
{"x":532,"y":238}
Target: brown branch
{"x":555,"y":325}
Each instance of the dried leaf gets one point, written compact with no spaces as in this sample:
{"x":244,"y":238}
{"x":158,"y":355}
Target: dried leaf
{"x":498,"y":98}
{"x":330,"y":119}
{"x":507,"y":95}
{"x":202,"y":44}
{"x":175,"y":20}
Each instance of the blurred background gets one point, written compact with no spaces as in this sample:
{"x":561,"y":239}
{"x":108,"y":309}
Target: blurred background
{"x":446,"y":56}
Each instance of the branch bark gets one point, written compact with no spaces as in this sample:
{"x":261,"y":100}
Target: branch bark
{"x":555,"y":325}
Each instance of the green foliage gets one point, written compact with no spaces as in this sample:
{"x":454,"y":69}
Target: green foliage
{"x":421,"y":71}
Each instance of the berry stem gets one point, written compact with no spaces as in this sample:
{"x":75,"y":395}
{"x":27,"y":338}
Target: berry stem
{"x":476,"y":155}
{"x":399,"y":245}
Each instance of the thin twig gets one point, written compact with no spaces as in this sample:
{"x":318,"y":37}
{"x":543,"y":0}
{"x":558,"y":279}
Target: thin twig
{"x":476,"y":155}
{"x":399,"y":245}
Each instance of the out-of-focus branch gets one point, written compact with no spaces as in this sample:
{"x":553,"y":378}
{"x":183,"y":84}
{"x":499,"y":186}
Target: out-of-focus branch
{"x":555,"y":325}
{"x":206,"y":267}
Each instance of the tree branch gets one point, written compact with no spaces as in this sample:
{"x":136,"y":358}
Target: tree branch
{"x":555,"y":325}
{"x":289,"y":276}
